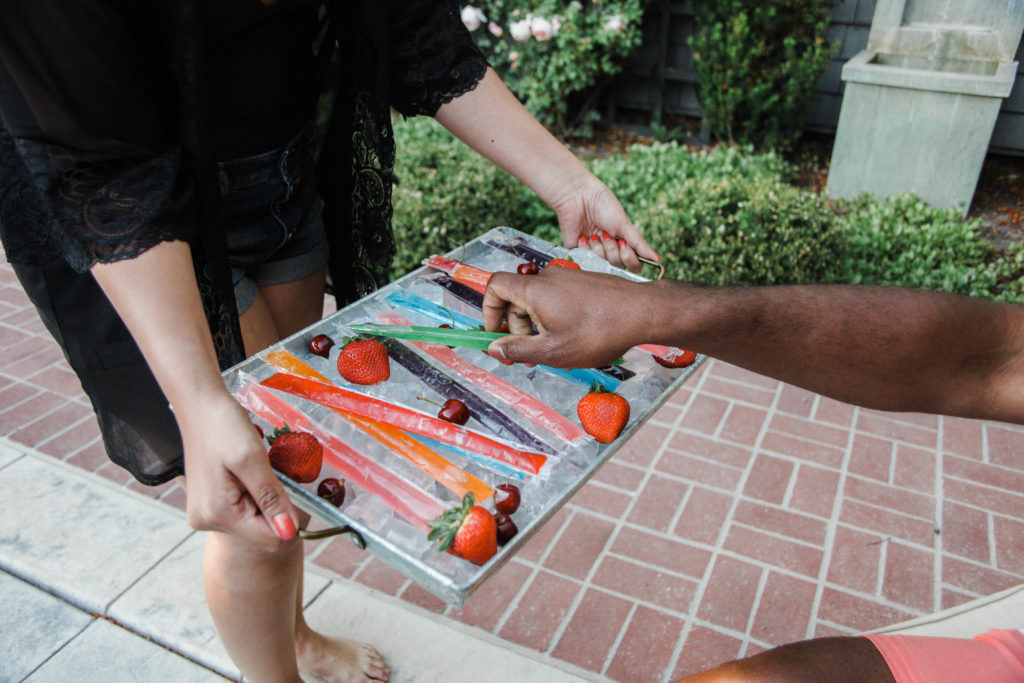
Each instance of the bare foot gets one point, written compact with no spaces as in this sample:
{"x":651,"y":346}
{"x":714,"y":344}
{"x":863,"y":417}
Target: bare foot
{"x":340,"y":660}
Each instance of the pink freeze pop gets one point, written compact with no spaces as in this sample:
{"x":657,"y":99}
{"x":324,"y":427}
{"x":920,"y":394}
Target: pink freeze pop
{"x":405,"y":418}
{"x":407,"y":500}
{"x":540,"y":413}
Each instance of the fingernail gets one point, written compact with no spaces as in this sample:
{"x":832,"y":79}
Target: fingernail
{"x":496,"y":352}
{"x":583,"y":239}
{"x":285,"y":526}
{"x":656,"y":255}
{"x":606,"y":235}
{"x":622,"y":243}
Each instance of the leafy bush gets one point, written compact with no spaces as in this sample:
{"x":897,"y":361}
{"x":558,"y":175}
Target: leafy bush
{"x":554,"y":55}
{"x":758,"y":64}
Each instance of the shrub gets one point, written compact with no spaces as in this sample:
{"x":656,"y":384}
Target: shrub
{"x":758,"y":64}
{"x":555,"y":55}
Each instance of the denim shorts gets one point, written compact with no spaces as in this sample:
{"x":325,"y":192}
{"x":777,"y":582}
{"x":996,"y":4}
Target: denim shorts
{"x":272,"y":219}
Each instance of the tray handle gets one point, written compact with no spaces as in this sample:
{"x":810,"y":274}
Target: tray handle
{"x":357,"y":537}
{"x":657,"y":264}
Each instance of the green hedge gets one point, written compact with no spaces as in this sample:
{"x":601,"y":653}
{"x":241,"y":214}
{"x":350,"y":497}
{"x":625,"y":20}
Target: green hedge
{"x":728,"y":216}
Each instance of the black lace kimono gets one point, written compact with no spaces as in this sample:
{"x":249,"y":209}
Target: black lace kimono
{"x":79,"y":186}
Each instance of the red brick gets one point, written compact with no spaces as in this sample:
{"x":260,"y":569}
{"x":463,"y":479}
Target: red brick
{"x":738,"y":374}
{"x":795,"y":401}
{"x":579,"y":546}
{"x":620,"y":476}
{"x":984,"y":497}
{"x":887,"y":522}
{"x":774,"y":550}
{"x":711,"y":449}
{"x":59,"y":379}
{"x":15,"y":296}
{"x":871,"y":457}
{"x":743,"y":425}
{"x":962,"y":437}
{"x":175,"y":498}
{"x":834,"y":412}
{"x":952,"y":598}
{"x":26,"y":348}
{"x":965,"y":531}
{"x":656,"y":506}
{"x":828,"y":631}
{"x":643,"y":446}
{"x":809,"y":451}
{"x":602,"y":500}
{"x":704,"y":515}
{"x":784,"y":609}
{"x":18,"y":416}
{"x":381,"y":577}
{"x":645,"y":652}
{"x":1009,"y":540}
{"x":909,"y":577}
{"x":541,"y":609}
{"x":11,"y":336}
{"x":417,"y":595}
{"x":980,"y":473}
{"x":704,"y":414}
{"x":875,"y":423}
{"x":341,"y":556}
{"x":976,"y":578}
{"x":811,"y":430}
{"x":668,"y":413}
{"x":90,"y":458}
{"x":769,"y":479}
{"x":855,"y":559}
{"x":915,"y":469}
{"x":892,"y":497}
{"x":668,"y":591}
{"x":729,"y":593}
{"x":781,"y":521}
{"x":845,"y":609}
{"x":681,"y":558}
{"x":50,"y":424}
{"x":698,"y":470}
{"x":535,"y":548}
{"x":115,"y":473}
{"x":815,"y":490}
{"x":72,"y":440}
{"x":738,"y":392}
{"x":589,"y":637}
{"x":29,"y":366}
{"x":704,"y":649}
{"x":154,"y":492}
{"x":13,"y":394}
{"x":486,"y":606}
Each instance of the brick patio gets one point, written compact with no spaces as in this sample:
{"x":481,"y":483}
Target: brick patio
{"x":746,"y":513}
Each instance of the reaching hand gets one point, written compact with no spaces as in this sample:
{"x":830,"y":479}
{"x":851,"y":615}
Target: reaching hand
{"x":592,"y":218}
{"x":583,"y":319}
{"x":231,"y":486}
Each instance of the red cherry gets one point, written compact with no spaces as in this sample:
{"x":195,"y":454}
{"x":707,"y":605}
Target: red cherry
{"x":455,"y":411}
{"x":681,"y":361}
{"x":528,"y":268}
{"x":259,"y":430}
{"x":320,"y":345}
{"x":445,"y":326}
{"x":506,"y":528}
{"x":506,"y":498}
{"x":503,"y":327}
{"x":332,"y":490}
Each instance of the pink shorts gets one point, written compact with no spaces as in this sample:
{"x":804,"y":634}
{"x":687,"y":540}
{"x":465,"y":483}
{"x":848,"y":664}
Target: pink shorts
{"x":996,"y":656}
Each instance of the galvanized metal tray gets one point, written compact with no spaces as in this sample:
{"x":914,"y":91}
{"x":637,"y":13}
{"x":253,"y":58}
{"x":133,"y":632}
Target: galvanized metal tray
{"x":378,"y":514}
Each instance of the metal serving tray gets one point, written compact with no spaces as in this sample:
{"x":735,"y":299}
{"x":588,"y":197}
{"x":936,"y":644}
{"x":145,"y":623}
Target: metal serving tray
{"x":387,"y":529}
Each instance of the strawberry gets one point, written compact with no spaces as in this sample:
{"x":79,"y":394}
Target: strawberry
{"x":682,"y":360}
{"x":565,"y":263}
{"x":295,"y":454}
{"x":603,"y":414}
{"x":468,"y":530}
{"x":364,"y":361}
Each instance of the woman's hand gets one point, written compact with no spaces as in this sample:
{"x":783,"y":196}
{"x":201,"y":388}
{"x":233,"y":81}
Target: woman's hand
{"x":591,"y":217}
{"x":230,"y":484}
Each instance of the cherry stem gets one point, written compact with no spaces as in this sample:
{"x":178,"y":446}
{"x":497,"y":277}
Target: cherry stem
{"x":424,"y":398}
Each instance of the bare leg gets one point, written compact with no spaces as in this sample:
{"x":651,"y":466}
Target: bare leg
{"x":255,"y":593}
{"x":823,"y":660}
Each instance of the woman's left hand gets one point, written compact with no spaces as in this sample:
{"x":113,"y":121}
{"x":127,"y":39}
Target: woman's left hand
{"x":592,"y":218}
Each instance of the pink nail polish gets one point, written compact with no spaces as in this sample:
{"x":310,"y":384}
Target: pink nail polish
{"x":285,"y":526}
{"x":622,"y":243}
{"x":606,"y":235}
{"x":584,"y":240}
{"x":656,"y":255}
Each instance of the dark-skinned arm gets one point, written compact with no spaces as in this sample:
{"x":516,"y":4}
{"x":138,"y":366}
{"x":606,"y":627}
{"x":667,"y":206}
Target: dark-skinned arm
{"x":887,"y":348}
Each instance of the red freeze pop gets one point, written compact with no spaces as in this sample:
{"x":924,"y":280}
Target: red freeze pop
{"x":466,"y":274}
{"x":404,"y":418}
{"x":540,"y":413}
{"x":409,"y":501}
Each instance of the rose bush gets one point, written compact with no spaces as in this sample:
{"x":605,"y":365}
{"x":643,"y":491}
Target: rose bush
{"x":555,"y":55}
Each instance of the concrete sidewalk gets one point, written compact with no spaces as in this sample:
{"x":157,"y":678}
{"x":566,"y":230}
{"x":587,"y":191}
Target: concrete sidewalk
{"x":100,"y":583}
